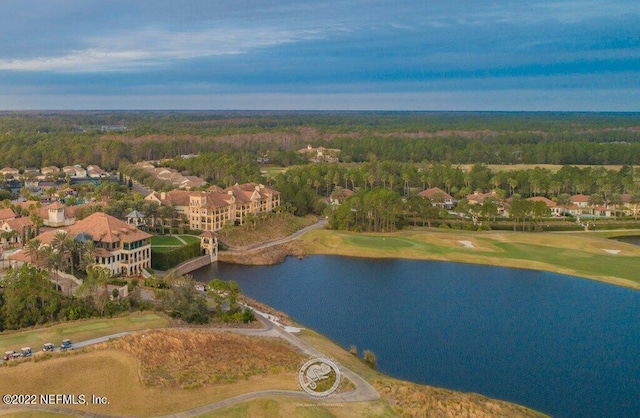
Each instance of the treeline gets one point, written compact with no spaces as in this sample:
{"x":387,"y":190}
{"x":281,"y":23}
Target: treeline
{"x":42,"y":139}
{"x":220,"y":168}
{"x":614,"y":147}
{"x":29,"y":298}
{"x":305,"y":186}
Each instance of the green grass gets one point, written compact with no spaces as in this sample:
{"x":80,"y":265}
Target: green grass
{"x":165,"y":240}
{"x":79,"y":330}
{"x":190,"y":238}
{"x":380,"y":242}
{"x":580,"y":254}
{"x":163,"y":249}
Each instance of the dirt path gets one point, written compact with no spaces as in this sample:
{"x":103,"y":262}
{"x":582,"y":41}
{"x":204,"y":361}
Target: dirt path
{"x":320,"y":224}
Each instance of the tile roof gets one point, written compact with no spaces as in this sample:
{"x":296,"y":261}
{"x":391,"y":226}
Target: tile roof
{"x":579,"y":198}
{"x":106,"y":228}
{"x":550,"y":203}
{"x":18,"y":224}
{"x":433,"y":192}
{"x":7,"y":213}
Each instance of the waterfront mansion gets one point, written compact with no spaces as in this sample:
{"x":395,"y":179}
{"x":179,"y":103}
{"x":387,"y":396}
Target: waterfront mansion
{"x":120,"y":247}
{"x":211,"y":209}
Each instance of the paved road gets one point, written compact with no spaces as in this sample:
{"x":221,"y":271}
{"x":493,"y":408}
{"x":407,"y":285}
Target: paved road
{"x":363,"y":391}
{"x":320,"y":224}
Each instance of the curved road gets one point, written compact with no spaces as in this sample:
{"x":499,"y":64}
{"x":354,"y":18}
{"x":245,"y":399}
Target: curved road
{"x":363,"y":391}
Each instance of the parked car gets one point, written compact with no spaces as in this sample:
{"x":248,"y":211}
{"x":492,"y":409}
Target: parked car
{"x":16,"y":355}
{"x":66,"y":344}
{"x":8,"y":355}
{"x":26,"y":352}
{"x":48,"y":347}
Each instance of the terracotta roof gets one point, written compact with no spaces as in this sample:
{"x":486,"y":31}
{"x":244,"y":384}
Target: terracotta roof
{"x":101,"y":252}
{"x":18,"y":224}
{"x":177,"y":198}
{"x":480,"y":197}
{"x":49,"y":169}
{"x":433,"y":192}
{"x":7,"y":213}
{"x":215,"y":188}
{"x":20,"y":256}
{"x":106,"y":228}
{"x":55,"y":205}
{"x":218,"y":200}
{"x":579,"y":198}
{"x":550,"y":203}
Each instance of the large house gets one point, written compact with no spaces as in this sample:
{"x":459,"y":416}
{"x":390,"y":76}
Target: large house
{"x":211,"y":209}
{"x":12,"y":230}
{"x":439,"y":198}
{"x":119,"y":247}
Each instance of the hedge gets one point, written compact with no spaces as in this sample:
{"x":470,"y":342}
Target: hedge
{"x":168,"y":260}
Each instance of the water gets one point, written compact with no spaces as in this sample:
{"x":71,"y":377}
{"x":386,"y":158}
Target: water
{"x":559,"y":344}
{"x":635,"y":240}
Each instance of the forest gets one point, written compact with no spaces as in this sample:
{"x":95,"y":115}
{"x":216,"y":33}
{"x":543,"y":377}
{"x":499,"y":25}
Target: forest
{"x":385,"y":157}
{"x":37,"y":139}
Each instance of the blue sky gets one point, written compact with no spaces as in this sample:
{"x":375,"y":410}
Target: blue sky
{"x":581,"y":55}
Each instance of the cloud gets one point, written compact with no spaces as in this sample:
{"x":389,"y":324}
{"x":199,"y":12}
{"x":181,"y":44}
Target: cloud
{"x":135,"y":50}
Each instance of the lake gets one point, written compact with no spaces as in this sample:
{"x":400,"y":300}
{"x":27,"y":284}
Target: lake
{"x":635,"y":240}
{"x":559,"y":344}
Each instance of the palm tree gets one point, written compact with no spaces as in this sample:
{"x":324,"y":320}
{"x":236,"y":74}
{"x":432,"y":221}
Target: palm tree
{"x":63,"y":242}
{"x":54,"y":260}
{"x":87,"y":256}
{"x":34,"y":251}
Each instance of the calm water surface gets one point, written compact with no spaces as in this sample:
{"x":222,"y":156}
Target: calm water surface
{"x":635,"y":240}
{"x":559,"y":344}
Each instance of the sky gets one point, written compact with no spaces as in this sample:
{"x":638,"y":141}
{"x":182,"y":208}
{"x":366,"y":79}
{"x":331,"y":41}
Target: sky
{"x":574,"y":55}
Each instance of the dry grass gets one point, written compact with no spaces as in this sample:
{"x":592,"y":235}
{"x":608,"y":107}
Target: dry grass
{"x":412,"y":400}
{"x":274,"y":227}
{"x":190,"y":359}
{"x":116,"y":375}
{"x":295,"y":407}
{"x":554,"y":168}
{"x":164,"y":372}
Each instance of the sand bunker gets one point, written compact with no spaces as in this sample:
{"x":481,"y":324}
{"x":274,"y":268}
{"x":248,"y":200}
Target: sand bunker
{"x":611,"y":251}
{"x":467,"y":244}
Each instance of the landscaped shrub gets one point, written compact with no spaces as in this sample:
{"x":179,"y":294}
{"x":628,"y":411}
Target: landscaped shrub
{"x":167,"y":260}
{"x":370,"y":359}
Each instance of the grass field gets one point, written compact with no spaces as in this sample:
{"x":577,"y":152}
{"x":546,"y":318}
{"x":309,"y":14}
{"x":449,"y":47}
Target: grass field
{"x":272,"y":171}
{"x":580,"y":254}
{"x":190,"y":238}
{"x":165,"y":240}
{"x":166,"y":243}
{"x":79,"y":330}
{"x":554,"y":168}
{"x":161,"y":371}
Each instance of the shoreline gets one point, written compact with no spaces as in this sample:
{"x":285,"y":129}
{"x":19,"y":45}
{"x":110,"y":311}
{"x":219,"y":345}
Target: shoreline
{"x":490,"y":248}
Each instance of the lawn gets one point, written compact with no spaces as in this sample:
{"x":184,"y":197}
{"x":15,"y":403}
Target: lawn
{"x":190,"y":238}
{"x":580,"y":254}
{"x":79,"y":330}
{"x":165,"y":240}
